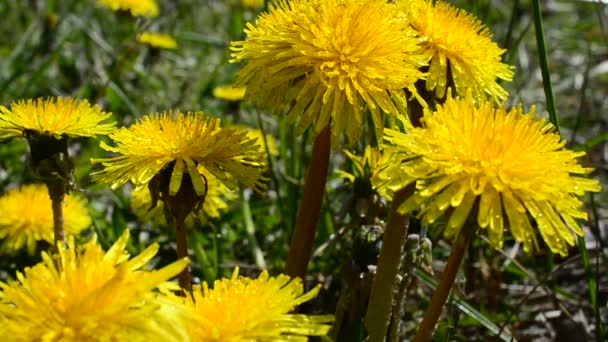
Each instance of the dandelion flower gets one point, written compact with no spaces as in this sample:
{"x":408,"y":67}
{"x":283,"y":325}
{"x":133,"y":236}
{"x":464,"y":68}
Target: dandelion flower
{"x":252,"y":3}
{"x":47,"y":125}
{"x":229,"y":93}
{"x":55,"y":117}
{"x":506,"y":165}
{"x":138,"y":8}
{"x":88,"y":295}
{"x":27,"y":217}
{"x":157,"y":40}
{"x":327,"y":60}
{"x":244,"y":309}
{"x":456,"y":40}
{"x":366,"y":167}
{"x":216,"y":202}
{"x":164,"y":150}
{"x":267,"y":141}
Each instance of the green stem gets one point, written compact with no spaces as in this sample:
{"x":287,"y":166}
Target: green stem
{"x":544,"y":65}
{"x":185,"y":277}
{"x":440,"y":296}
{"x":57,"y":194}
{"x":256,"y":251}
{"x":381,"y":297}
{"x":303,"y":236}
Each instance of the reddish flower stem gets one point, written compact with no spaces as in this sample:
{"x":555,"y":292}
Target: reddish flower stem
{"x":57,"y":194}
{"x":303,"y":236}
{"x":440,"y":296}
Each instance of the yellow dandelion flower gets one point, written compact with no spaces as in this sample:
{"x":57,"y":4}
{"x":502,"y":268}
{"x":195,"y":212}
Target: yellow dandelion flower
{"x":27,"y":217}
{"x":456,"y":40}
{"x":174,"y":146}
{"x":215,"y":203}
{"x":88,"y":295}
{"x":500,"y":163}
{"x":55,"y":117}
{"x":229,"y":93}
{"x":327,"y":60}
{"x":252,"y":3}
{"x":138,"y":8}
{"x":157,"y":40}
{"x":245,"y":309}
{"x":366,"y":165}
{"x":254,"y":133}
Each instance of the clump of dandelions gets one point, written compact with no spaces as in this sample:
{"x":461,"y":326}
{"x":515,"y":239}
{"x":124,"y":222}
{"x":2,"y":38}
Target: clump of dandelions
{"x":84,"y":294}
{"x":508,"y":165}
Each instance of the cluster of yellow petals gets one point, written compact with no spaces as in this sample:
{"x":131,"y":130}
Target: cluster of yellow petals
{"x":191,"y":141}
{"x":57,"y":117}
{"x":245,"y":309}
{"x":328,"y":60}
{"x":27,"y":217}
{"x":84,"y":294}
{"x":137,"y":8}
{"x":456,"y":40}
{"x":216,"y":202}
{"x":367,"y":166}
{"x":501,"y":163}
{"x":157,"y":40}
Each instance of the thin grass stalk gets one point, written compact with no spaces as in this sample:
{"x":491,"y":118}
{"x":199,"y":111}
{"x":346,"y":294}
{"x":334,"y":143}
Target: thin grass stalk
{"x":591,"y":284}
{"x":440,"y":296}
{"x":305,"y":228}
{"x":381,"y":297}
{"x":544,"y":65}
{"x":256,"y":251}
{"x":273,"y":175}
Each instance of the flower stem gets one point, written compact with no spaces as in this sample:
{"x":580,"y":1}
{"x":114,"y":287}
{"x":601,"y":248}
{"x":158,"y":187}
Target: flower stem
{"x":381,"y":298}
{"x":303,"y":236}
{"x":444,"y":286}
{"x":185,"y":277}
{"x":57,"y":194}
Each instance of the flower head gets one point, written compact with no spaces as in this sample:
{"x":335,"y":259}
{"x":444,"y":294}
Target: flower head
{"x":327,"y":60}
{"x":216,"y":202}
{"x":245,"y":309}
{"x":367,"y":166}
{"x":500,"y":163}
{"x":138,"y":8}
{"x":455,"y":40}
{"x":184,"y":142}
{"x":229,"y":93}
{"x":171,"y":152}
{"x":157,"y":40}
{"x":27,"y":217}
{"x":88,"y":295}
{"x":54,"y":117}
